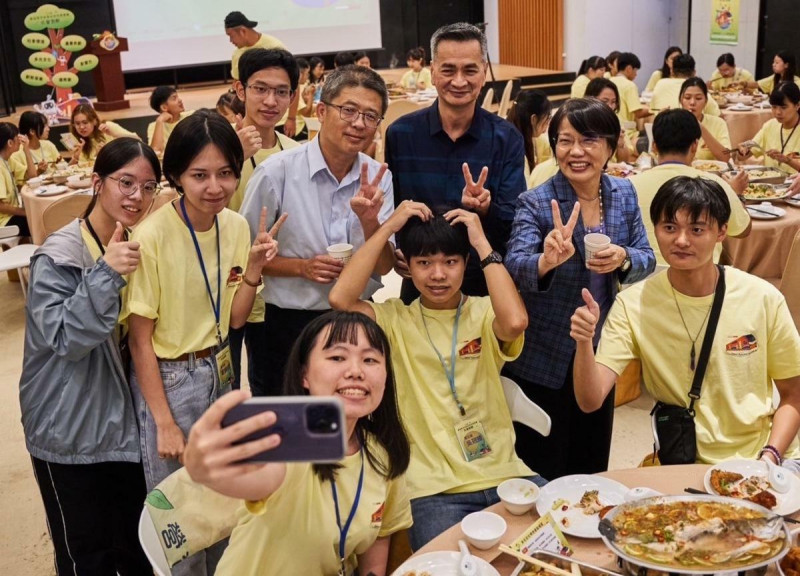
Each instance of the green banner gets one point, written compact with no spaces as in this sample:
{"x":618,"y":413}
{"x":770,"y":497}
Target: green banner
{"x":725,"y":17}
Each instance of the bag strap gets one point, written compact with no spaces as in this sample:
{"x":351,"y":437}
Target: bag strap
{"x":705,"y":351}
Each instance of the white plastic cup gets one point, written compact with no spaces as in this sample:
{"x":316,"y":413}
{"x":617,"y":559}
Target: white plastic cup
{"x":342,"y":252}
{"x":594,"y":243}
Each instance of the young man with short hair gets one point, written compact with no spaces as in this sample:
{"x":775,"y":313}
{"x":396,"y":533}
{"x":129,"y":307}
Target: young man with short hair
{"x":662,"y":321}
{"x":167,"y":103}
{"x":675,"y":140}
{"x":630,"y":109}
{"x":667,"y":92}
{"x":448,"y":349}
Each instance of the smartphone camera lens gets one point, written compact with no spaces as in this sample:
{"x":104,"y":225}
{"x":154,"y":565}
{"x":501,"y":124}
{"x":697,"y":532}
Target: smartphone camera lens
{"x":322,"y":419}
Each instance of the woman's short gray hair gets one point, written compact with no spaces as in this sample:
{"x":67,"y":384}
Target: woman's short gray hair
{"x":352,"y":76}
{"x":459,"y":32}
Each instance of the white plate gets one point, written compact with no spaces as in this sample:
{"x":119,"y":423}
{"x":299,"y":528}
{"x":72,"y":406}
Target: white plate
{"x":793,"y":200}
{"x":51,"y":190}
{"x":788,"y":503}
{"x":571,"y":489}
{"x":442,"y":564}
{"x":759,"y":212}
{"x":740,"y":108}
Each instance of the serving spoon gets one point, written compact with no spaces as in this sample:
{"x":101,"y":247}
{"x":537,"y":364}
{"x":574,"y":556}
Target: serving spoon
{"x":466,"y":565}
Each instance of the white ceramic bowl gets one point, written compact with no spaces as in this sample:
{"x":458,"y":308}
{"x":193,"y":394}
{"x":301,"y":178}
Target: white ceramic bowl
{"x":36,"y":182}
{"x":518,"y":495}
{"x":483,"y":529}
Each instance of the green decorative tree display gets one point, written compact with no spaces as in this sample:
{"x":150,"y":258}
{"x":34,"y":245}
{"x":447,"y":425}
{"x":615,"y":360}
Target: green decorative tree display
{"x":53,"y":51}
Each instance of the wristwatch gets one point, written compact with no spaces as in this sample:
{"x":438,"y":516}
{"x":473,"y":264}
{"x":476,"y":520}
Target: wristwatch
{"x":626,"y":264}
{"x":494,"y":257}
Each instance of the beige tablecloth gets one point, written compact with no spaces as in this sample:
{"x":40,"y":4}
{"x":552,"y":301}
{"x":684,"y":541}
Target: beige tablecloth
{"x":35,"y":206}
{"x":665,"y":479}
{"x":744,"y":125}
{"x":765,"y":251}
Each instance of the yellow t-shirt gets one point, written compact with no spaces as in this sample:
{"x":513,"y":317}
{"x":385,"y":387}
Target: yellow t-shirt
{"x":769,"y":138}
{"x":542,"y":172}
{"x":756,"y":341}
{"x":767,"y":85}
{"x":647,"y":184}
{"x":258,"y":312}
{"x":628,"y":99}
{"x":294,"y":531}
{"x":264,"y":41}
{"x":168,"y":286}
{"x":19,"y":164}
{"x":740,"y":75}
{"x":579,"y":86}
{"x":410,"y":79}
{"x":168,"y":127}
{"x":667,"y":94}
{"x":542,"y":147}
{"x":654,"y":78}
{"x":426,"y":402}
{"x":719,"y":130}
{"x":118,"y":131}
{"x":8,"y":191}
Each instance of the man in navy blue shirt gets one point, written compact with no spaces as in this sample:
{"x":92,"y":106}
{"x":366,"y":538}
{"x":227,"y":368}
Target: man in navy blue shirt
{"x":454,"y":153}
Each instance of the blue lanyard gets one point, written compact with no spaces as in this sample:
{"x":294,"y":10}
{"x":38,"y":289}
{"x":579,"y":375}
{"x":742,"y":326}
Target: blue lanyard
{"x":215,"y":305}
{"x":344,"y":530}
{"x":450,"y":372}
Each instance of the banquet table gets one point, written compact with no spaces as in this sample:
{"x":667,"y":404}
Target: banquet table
{"x":665,"y":479}
{"x":745,"y":124}
{"x":35,"y":206}
{"x":765,"y":251}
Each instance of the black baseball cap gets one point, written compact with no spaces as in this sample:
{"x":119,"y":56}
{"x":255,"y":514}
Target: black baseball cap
{"x":235,"y":19}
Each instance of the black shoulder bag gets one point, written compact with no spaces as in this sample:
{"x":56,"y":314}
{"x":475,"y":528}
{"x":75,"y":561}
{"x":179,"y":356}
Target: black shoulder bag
{"x":675,"y":437}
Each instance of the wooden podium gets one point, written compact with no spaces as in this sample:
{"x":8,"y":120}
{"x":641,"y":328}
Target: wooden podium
{"x":108,"y":79}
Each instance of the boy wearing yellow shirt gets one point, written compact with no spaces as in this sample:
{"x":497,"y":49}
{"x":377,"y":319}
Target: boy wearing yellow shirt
{"x":630,"y":109}
{"x":166,"y":102}
{"x":675,"y":142}
{"x":448,"y":350}
{"x":662,"y":320}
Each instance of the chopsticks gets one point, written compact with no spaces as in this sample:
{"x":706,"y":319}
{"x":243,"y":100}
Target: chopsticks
{"x":535,"y":561}
{"x":767,"y":212}
{"x":696,"y":491}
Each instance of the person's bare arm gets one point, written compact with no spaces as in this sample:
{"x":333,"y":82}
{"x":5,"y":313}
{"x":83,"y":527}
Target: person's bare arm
{"x":373,"y":561}
{"x":592,"y":381}
{"x":718,"y":150}
{"x":6,"y":208}
{"x":786,"y":420}
{"x":642,"y":112}
{"x":159,"y":142}
{"x":290,"y":126}
{"x":366,"y":205}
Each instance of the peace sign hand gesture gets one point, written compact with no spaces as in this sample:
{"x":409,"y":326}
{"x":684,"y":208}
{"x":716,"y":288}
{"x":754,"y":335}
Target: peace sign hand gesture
{"x":264,"y":248}
{"x":558,"y":246}
{"x":368,"y":201}
{"x":475,"y":196}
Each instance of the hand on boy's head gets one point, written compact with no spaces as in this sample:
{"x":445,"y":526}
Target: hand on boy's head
{"x":469,"y":219}
{"x":400,"y":264}
{"x":405,"y":211}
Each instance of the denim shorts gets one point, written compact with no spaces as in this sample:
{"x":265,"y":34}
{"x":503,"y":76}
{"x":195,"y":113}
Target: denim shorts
{"x":191,"y":387}
{"x":436,"y":513}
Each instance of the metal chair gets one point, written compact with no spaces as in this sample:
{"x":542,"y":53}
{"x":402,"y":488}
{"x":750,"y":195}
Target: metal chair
{"x":523,"y":409}
{"x":63,"y":211}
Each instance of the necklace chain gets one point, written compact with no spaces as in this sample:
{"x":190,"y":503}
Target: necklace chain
{"x":692,"y":353}
{"x":600,"y":206}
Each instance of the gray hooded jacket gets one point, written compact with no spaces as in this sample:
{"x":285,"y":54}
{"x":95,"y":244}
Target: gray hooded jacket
{"x":75,"y":400}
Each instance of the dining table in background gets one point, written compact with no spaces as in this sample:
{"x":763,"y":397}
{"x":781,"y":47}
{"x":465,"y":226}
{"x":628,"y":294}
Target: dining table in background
{"x":36,"y":204}
{"x":765,"y":251}
{"x":744,"y":124}
{"x":664,"y":479}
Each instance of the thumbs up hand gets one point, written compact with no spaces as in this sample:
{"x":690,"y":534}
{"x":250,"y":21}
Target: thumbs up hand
{"x":584,"y":321}
{"x":122,"y":255}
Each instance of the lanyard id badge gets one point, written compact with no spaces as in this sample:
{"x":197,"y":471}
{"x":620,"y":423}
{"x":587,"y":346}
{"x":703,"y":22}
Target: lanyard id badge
{"x":343,"y":530}
{"x":472,"y":439}
{"x":222,"y":355}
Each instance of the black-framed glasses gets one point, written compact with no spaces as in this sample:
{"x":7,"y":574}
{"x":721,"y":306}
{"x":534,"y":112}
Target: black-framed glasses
{"x":128,"y":186}
{"x":262,"y":91}
{"x":351,"y":114}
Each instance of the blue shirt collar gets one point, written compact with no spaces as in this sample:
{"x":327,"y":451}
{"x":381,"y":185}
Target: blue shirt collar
{"x":316,"y":164}
{"x":435,"y":121}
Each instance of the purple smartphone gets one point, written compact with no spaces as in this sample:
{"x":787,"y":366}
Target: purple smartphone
{"x":312,"y":429}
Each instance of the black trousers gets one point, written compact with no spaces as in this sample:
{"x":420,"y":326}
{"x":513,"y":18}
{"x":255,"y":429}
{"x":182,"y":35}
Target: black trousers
{"x":22,"y":222}
{"x":282,"y":326}
{"x":579,"y":443}
{"x":252,"y":334}
{"x":93,"y":515}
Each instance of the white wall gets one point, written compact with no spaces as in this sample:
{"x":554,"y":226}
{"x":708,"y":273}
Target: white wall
{"x":491,"y":16}
{"x":644,"y":27}
{"x":706,"y":54}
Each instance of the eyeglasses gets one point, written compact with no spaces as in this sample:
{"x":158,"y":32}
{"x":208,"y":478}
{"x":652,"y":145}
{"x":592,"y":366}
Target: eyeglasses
{"x":262,"y":91}
{"x":128,"y":186}
{"x":585,"y":142}
{"x":351,"y":114}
